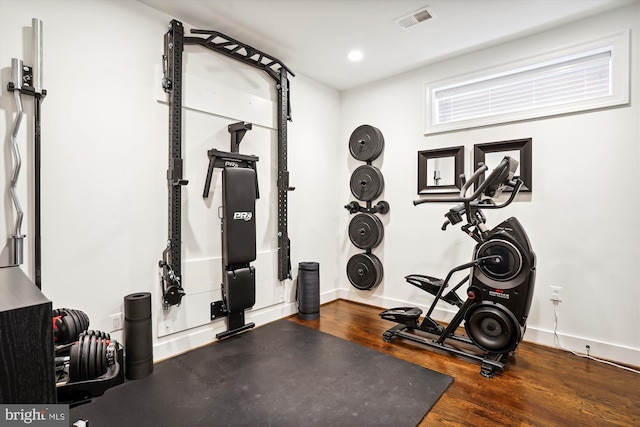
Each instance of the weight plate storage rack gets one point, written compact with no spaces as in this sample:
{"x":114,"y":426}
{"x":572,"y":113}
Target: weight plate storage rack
{"x":366,"y":231}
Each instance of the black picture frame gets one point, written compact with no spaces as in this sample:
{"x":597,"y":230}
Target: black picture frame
{"x":426,"y":175}
{"x":523,"y":146}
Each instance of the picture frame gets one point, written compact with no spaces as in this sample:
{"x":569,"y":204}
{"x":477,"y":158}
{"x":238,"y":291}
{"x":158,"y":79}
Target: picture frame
{"x":491,"y":153}
{"x":439,"y":170}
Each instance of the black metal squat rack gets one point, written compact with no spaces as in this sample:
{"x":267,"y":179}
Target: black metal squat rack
{"x":174,"y":42}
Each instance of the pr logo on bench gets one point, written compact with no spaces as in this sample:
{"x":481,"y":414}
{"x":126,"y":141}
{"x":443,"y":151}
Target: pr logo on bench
{"x":246,"y":216}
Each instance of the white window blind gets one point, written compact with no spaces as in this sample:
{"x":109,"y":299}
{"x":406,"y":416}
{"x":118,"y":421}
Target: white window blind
{"x":576,"y":80}
{"x":566,"y":81}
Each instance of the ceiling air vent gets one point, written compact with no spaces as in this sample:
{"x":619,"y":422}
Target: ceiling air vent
{"x":413,"y":18}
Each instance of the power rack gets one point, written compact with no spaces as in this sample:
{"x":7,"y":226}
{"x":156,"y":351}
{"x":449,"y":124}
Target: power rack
{"x":174,"y":42}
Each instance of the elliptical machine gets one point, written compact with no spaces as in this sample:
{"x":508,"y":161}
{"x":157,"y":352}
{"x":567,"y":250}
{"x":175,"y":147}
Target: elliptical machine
{"x":502,"y":277}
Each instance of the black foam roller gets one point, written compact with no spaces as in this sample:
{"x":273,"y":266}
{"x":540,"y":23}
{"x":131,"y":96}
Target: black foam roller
{"x":138,"y":337}
{"x":308,"y":290}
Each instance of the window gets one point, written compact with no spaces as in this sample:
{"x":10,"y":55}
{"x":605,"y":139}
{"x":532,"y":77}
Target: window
{"x":588,"y":76}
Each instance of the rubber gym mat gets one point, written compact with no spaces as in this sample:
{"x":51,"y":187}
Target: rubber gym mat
{"x":280,"y":374}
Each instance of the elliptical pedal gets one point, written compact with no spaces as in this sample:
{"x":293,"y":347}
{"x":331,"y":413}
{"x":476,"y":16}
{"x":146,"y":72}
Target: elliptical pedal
{"x":426,"y":283}
{"x":409,"y":316}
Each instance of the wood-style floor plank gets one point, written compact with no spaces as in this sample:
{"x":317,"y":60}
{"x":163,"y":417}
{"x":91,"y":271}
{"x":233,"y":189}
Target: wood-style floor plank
{"x":542,"y":386}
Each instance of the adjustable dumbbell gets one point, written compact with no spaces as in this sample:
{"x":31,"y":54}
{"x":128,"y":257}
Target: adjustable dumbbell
{"x":89,"y":358}
{"x":68,"y":324}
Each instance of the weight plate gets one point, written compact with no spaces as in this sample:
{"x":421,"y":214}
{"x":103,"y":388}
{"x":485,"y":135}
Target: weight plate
{"x":364,"y":271}
{"x":366,"y":231}
{"x":74,"y":362}
{"x":366,"y":143}
{"x":100,"y":357}
{"x":74,"y":324}
{"x":84,"y":358}
{"x":93,"y":352}
{"x":103,"y":356}
{"x":367,"y":183}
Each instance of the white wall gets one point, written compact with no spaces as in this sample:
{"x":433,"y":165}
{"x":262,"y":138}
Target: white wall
{"x":104,"y":162}
{"x":583,"y":217}
{"x":105,"y":158}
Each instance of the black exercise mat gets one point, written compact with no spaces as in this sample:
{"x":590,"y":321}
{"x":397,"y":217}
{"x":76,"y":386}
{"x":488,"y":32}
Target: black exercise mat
{"x":280,"y":374}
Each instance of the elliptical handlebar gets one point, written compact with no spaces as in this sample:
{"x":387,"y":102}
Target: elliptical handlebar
{"x":502,"y":167}
{"x":471,"y":206}
{"x":472,"y":180}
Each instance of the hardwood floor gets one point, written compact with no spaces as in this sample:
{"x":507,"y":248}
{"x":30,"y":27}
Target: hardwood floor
{"x":541,"y":387}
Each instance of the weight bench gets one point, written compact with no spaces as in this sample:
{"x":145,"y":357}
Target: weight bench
{"x":239,"y":194}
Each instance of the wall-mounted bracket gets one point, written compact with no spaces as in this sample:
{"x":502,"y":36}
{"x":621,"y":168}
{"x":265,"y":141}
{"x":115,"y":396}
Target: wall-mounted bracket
{"x":218,"y":310}
{"x":222,"y":159}
{"x":381,"y":207}
{"x":237,"y":131}
{"x":171,"y":263}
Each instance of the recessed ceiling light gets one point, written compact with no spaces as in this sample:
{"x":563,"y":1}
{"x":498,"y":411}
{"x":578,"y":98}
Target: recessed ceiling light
{"x":355,"y":55}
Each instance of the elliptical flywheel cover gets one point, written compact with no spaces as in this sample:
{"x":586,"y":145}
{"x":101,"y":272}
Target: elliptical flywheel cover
{"x":492,"y":328}
{"x":508,"y":269}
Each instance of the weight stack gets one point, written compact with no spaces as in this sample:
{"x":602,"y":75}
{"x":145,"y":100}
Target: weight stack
{"x":137,"y":335}
{"x":366,"y":231}
{"x":308,"y":291}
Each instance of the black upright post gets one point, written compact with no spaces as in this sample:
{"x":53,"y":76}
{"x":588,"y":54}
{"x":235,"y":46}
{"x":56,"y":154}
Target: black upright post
{"x":284,"y":248}
{"x":37,"y":247}
{"x":172,"y":84}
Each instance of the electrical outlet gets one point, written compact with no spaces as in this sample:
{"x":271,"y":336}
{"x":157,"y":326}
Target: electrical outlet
{"x":555,"y":294}
{"x":116,"y":321}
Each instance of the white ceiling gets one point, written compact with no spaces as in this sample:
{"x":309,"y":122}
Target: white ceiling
{"x":313,"y":37}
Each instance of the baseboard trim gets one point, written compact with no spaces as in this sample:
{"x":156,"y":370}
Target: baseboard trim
{"x":182,"y":342}
{"x":173,"y":345}
{"x":599,"y":349}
